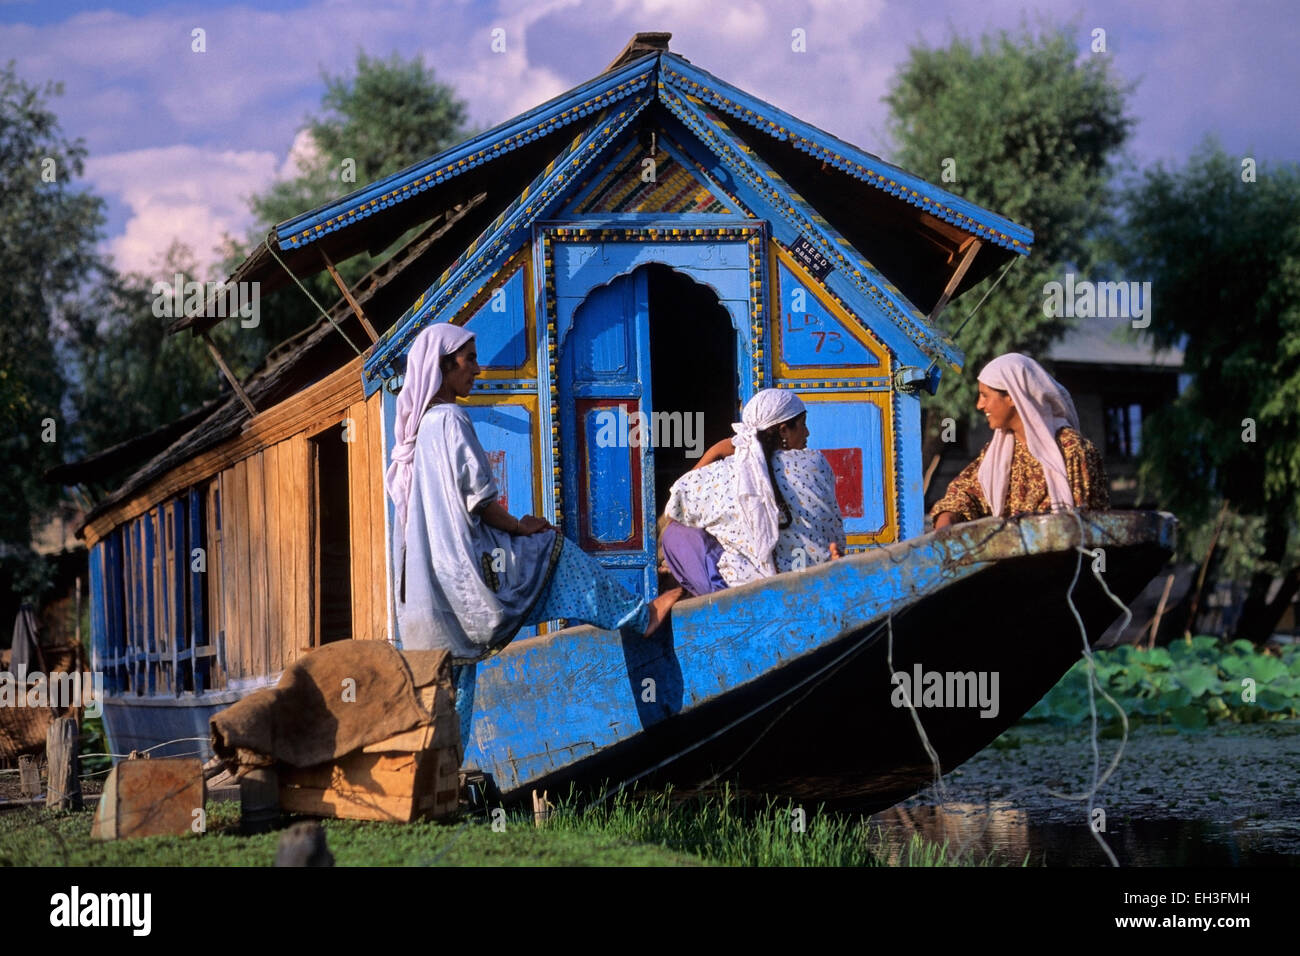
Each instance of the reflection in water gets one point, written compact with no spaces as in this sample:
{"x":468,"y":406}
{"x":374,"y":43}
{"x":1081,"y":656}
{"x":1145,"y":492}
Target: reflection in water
{"x":1011,"y":835}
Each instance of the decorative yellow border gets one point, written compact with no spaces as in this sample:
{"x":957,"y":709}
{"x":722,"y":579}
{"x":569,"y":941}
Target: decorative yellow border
{"x":523,"y":257}
{"x":529,"y":402}
{"x":836,"y":309}
{"x":888,"y":532}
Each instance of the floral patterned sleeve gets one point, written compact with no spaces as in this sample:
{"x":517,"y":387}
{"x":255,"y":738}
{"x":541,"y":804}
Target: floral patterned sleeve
{"x":1084,"y":467}
{"x":965,"y":497}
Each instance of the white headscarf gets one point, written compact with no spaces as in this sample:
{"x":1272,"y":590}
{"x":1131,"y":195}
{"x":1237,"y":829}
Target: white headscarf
{"x":1045,"y":407}
{"x":754,"y":496}
{"x":422,"y":381}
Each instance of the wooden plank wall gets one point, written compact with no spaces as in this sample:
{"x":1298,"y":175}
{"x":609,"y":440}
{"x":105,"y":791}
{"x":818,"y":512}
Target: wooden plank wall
{"x":366,"y":516}
{"x":218,"y":627}
{"x":260,"y":533}
{"x":259,"y":518}
{"x":263,"y":590}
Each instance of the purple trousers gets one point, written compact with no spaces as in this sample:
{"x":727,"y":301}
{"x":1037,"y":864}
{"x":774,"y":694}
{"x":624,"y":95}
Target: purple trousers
{"x":692,"y":556}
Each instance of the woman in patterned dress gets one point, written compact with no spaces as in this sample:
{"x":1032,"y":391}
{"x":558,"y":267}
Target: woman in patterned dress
{"x":1036,"y":462}
{"x":755,"y":505}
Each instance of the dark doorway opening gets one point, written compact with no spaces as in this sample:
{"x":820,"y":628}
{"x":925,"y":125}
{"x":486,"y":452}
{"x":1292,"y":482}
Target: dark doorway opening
{"x":692,"y":371}
{"x":333,"y":598}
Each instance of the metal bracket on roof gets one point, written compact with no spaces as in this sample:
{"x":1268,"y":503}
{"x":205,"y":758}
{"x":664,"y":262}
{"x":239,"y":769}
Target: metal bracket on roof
{"x":909,"y":378}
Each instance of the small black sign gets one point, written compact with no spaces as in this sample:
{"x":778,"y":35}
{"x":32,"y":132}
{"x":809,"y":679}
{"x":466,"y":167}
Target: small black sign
{"x":812,"y":260}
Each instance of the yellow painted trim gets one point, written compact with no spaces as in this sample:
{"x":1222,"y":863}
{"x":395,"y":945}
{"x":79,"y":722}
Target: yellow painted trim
{"x":888,"y":532}
{"x":530,"y":402}
{"x":837,"y":311}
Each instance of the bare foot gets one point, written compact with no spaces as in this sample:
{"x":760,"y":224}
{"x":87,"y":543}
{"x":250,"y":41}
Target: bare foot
{"x":660,"y":607}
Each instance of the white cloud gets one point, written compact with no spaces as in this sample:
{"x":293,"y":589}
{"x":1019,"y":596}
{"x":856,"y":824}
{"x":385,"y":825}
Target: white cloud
{"x":183,"y":138}
{"x":178,"y":192}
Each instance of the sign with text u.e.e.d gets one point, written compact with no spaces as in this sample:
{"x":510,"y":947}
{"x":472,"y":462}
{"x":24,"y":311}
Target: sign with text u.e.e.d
{"x":812,"y":260}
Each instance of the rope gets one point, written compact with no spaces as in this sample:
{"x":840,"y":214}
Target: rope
{"x":1090,"y":796}
{"x":270,"y":247}
{"x":824,"y":669}
{"x":957,"y":331}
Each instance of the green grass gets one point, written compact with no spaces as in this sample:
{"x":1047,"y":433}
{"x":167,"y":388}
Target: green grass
{"x":724,"y":830}
{"x":629,"y":830}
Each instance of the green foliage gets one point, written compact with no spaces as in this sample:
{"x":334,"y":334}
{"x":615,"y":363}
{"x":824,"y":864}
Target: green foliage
{"x":1223,"y":256}
{"x":128,"y":375}
{"x":93,"y":746}
{"x":391,"y":114}
{"x":48,"y":231}
{"x":1035,"y":130}
{"x":1189,"y":684}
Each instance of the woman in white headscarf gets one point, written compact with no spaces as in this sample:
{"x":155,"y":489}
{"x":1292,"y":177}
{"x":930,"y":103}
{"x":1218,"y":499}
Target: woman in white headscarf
{"x":756,"y":504}
{"x":469,"y":575}
{"x":1036,"y":462}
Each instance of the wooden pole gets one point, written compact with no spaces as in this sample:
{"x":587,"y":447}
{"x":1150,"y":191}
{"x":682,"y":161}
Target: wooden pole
{"x":542,"y":808}
{"x":1205,"y":565}
{"x":1160,"y":612}
{"x":347,"y":294}
{"x":230,"y":376}
{"x":61,"y":746}
{"x":970,"y":247}
{"x":29,"y":775}
{"x":929,"y":473}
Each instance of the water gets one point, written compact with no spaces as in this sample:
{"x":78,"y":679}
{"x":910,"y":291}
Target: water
{"x":1227,"y":796}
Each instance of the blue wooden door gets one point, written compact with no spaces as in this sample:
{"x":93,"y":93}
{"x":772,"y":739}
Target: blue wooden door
{"x":607,"y":462}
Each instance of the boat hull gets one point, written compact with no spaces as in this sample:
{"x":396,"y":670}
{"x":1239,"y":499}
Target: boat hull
{"x":784,"y":687}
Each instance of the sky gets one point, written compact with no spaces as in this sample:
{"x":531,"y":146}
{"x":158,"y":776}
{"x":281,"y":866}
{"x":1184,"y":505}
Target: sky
{"x":179,"y":140}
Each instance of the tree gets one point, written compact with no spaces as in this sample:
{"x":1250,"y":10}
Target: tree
{"x":1220,"y":242}
{"x":128,"y":376}
{"x":1035,"y":132}
{"x":48,"y":229}
{"x":391,"y":114}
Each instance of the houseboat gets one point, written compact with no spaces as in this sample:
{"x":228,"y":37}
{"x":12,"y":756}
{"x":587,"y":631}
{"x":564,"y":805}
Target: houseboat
{"x":654,"y":241}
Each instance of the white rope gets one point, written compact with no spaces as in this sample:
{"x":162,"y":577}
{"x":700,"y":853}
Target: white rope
{"x":1090,"y":796}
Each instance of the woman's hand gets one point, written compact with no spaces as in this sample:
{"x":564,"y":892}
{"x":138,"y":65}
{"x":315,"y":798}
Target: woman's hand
{"x":531,"y":524}
{"x":944,"y":519}
{"x":493,"y":514}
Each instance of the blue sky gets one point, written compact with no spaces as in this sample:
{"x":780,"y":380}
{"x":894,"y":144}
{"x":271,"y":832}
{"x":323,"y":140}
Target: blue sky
{"x":178,"y":140}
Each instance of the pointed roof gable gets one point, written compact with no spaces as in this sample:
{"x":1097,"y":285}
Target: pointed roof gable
{"x":894,"y":237}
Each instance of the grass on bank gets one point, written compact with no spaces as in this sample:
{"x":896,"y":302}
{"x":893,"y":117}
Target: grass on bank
{"x":627,"y":830}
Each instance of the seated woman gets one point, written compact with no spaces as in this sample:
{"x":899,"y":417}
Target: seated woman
{"x":755,"y":505}
{"x":470,"y":575}
{"x":1036,"y":462}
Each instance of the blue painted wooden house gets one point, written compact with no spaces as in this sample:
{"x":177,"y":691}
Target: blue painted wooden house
{"x":654,"y":241}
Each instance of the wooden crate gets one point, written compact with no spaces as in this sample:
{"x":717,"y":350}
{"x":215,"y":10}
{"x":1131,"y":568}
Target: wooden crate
{"x":409,"y":776}
{"x":393,"y":786}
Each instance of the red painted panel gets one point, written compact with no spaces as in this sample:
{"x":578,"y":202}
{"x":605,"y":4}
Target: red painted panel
{"x":497,"y":459}
{"x":847,"y":465}
{"x":584,"y":408}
